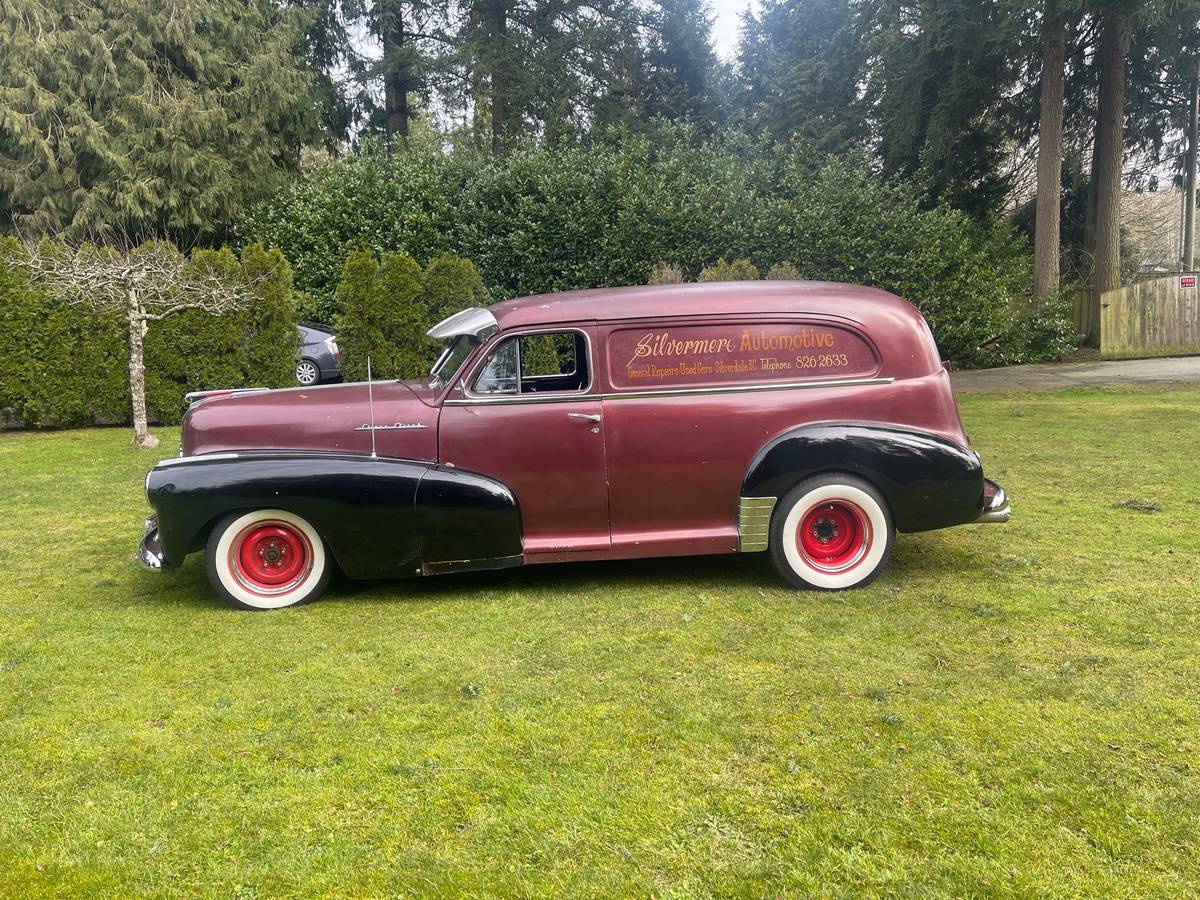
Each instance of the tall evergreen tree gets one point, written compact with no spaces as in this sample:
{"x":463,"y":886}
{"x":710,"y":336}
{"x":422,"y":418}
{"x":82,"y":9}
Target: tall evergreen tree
{"x":802,"y":68}
{"x":941,"y":88}
{"x":540,"y":67}
{"x":164,"y":118}
{"x":682,"y":73}
{"x":412,"y":51}
{"x":337,"y":64}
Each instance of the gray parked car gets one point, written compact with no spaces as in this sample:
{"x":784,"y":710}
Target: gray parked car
{"x":319,"y":358}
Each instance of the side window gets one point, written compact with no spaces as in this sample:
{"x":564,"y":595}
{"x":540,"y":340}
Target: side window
{"x":536,"y":364}
{"x":499,"y":376}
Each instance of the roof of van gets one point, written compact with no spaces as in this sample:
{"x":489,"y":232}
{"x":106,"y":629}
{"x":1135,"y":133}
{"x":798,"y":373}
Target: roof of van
{"x":867,"y":306}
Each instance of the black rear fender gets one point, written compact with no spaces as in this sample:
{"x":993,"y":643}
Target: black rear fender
{"x":928,"y":481}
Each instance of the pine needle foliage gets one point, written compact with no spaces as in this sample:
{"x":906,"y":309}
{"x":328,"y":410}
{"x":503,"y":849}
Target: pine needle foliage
{"x":148,"y":118}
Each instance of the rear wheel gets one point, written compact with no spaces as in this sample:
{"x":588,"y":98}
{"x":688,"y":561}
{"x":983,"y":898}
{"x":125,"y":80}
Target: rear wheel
{"x":831,"y":532}
{"x":267,"y":559}
{"x":307,"y":372}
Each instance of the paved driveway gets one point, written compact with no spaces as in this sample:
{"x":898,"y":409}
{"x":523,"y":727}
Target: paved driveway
{"x":1171,"y":369}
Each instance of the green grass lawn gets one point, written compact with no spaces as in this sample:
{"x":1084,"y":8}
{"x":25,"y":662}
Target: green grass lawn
{"x":1010,"y":709}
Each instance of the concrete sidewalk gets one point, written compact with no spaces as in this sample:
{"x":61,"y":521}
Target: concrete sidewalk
{"x":1166,"y":370}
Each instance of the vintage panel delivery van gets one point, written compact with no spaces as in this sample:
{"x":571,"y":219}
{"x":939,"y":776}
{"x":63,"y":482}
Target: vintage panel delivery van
{"x":809,"y":421}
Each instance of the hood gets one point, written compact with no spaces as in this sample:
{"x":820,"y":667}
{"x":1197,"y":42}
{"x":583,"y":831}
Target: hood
{"x":334,"y":417}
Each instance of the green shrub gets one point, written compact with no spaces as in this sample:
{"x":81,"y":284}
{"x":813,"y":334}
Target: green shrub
{"x":738,"y":270}
{"x":390,"y":303}
{"x":783,"y":271}
{"x":665,"y":273}
{"x":58,"y":364}
{"x":63,"y":365}
{"x":449,"y":284}
{"x":556,"y":218}
{"x":380,"y":298}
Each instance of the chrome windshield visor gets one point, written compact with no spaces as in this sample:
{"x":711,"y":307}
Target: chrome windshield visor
{"x":478,"y":323}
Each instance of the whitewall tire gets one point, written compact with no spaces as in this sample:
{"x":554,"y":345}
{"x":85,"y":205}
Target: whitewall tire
{"x":831,"y":532}
{"x":267,"y":559}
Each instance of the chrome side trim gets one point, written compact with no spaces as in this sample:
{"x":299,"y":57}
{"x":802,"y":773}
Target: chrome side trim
{"x":998,"y":511}
{"x":683,"y":392}
{"x":747,"y":388}
{"x":193,"y":396}
{"x":754,"y":523}
{"x":489,"y":401}
{"x":203,"y":457}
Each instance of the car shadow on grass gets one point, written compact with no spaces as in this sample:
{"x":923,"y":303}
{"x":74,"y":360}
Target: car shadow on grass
{"x":916,"y":556}
{"x":921,"y":555}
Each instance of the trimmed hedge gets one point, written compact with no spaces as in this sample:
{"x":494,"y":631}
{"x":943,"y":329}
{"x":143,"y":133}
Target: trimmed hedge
{"x":556,"y":218}
{"x":62,"y":365}
{"x":391,"y":302}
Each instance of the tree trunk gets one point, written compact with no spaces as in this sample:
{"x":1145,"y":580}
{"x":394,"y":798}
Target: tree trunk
{"x":137,"y":373}
{"x":1089,"y":219}
{"x":395,"y":72}
{"x":1189,"y":224}
{"x":498,"y":14}
{"x":1114,"y":44}
{"x":1049,"y":165}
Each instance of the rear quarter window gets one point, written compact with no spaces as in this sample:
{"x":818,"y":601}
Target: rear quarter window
{"x":729,"y":354}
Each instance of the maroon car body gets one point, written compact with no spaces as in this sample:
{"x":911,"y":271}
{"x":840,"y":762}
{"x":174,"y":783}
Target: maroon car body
{"x":629,"y":422}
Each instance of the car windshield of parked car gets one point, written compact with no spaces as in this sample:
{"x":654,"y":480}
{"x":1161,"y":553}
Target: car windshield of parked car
{"x":451,"y":360}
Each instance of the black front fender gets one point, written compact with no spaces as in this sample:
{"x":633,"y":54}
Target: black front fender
{"x":929,"y":482}
{"x":380,"y":517}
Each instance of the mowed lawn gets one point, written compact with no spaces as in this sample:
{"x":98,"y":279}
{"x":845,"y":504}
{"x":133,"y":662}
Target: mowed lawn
{"x":1011,"y":709}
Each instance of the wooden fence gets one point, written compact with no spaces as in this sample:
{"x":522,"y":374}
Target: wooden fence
{"x":1156,"y":317}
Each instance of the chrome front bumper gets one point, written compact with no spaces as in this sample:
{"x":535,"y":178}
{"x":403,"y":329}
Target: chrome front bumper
{"x":996,"y":507}
{"x":150,"y":552}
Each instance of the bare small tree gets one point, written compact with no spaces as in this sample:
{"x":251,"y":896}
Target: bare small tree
{"x":147,"y":283}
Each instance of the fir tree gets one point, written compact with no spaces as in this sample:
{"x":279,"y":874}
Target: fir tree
{"x":802,"y":69}
{"x":148,"y":118}
{"x":682,"y":73}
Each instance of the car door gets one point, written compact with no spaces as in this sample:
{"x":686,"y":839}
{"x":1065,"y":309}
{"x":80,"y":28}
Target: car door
{"x":528,"y":414}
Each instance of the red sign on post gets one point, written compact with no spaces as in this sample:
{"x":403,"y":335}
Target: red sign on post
{"x":1187,"y":281}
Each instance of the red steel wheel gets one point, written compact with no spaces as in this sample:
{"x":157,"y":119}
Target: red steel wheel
{"x":267,"y":559}
{"x":834,"y":535}
{"x":269,"y":555}
{"x":831,"y":532}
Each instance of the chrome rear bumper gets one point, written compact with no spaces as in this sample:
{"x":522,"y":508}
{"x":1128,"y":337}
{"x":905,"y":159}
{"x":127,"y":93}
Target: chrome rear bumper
{"x":996,"y":507}
{"x":150,"y":551}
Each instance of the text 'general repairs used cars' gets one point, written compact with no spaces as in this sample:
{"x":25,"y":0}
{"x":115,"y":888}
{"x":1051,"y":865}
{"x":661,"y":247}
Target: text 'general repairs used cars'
{"x":811,"y":421}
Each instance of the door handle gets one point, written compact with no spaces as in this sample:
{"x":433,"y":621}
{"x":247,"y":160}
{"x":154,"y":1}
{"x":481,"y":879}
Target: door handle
{"x":585,"y":416}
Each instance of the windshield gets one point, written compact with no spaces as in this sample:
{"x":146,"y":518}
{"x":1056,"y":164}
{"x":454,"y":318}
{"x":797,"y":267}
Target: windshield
{"x":451,"y":360}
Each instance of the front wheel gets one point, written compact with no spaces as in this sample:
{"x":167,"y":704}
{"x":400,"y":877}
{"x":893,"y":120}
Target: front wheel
{"x":267,"y":559}
{"x":831,"y":532}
